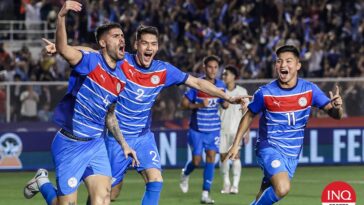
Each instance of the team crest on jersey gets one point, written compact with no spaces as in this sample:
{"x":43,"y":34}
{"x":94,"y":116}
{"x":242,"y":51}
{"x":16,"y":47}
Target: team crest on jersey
{"x":302,"y":101}
{"x":155,"y":79}
{"x":275,"y":163}
{"x":72,"y":182}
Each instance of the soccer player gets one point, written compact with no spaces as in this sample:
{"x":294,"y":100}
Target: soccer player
{"x":79,"y":146}
{"x":285,"y":105}
{"x":230,"y":119}
{"x":146,"y":78}
{"x":204,"y":132}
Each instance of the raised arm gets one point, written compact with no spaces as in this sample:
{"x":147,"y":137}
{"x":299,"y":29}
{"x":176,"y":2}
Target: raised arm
{"x":334,"y":108}
{"x":113,"y":126}
{"x":71,"y":55}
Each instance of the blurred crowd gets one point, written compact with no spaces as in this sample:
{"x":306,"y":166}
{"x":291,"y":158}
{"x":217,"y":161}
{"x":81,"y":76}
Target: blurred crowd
{"x":244,"y":33}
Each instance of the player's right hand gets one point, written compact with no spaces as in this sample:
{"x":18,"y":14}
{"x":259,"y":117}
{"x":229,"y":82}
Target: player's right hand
{"x":239,"y":99}
{"x":69,"y":5}
{"x":232,"y":153}
{"x":50,"y":47}
{"x":129,"y":152}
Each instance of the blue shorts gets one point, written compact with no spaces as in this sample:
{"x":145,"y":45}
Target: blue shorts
{"x":273,"y":162}
{"x":72,"y":159}
{"x":200,"y":140}
{"x":145,"y":148}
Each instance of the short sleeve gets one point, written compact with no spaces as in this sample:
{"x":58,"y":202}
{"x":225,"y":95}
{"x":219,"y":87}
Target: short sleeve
{"x":191,"y":94}
{"x":257,"y":103}
{"x":85,"y":66}
{"x":174,"y":76}
{"x":319,"y":99}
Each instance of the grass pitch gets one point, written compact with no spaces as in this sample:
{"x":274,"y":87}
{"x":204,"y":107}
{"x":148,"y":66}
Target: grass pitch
{"x":306,"y":188}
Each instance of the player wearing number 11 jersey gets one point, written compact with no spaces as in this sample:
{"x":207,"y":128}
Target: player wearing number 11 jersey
{"x":285,"y":105}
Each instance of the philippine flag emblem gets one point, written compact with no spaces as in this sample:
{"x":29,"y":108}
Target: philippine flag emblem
{"x":155,"y":79}
{"x":302,"y":101}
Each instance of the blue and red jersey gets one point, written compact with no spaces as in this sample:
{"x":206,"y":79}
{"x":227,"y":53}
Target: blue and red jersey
{"x":205,"y":119}
{"x":93,"y":87}
{"x":285,"y":113}
{"x":133,"y":110}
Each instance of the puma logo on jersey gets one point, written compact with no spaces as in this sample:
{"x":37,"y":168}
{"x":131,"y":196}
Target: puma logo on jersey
{"x":103,"y":77}
{"x":132,"y":72}
{"x":277,"y":103}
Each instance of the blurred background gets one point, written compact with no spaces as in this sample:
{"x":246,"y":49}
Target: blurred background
{"x":244,"y":33}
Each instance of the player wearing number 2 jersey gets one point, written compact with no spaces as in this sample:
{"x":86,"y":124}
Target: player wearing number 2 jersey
{"x":145,"y":78}
{"x":285,"y":105}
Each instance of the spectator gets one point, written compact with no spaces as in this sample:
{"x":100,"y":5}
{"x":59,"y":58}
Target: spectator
{"x":32,"y":17}
{"x":15,"y":99}
{"x":45,"y":113}
{"x":29,"y":103}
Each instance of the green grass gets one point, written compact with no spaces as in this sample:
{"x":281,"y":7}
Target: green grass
{"x":307,"y":186}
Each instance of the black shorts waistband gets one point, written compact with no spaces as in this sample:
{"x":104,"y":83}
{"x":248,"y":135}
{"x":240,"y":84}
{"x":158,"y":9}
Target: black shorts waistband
{"x":71,"y":136}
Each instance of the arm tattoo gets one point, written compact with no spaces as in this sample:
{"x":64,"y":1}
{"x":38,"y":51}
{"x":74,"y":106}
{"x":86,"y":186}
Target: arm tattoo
{"x":113,"y":125}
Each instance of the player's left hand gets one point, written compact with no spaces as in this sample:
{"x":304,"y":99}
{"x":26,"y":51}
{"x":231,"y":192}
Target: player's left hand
{"x":336,"y":100}
{"x":129,"y":152}
{"x":232,"y":153}
{"x":239,"y":99}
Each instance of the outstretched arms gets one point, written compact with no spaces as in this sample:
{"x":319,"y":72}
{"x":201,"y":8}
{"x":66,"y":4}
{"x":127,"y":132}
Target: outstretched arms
{"x":209,"y":88}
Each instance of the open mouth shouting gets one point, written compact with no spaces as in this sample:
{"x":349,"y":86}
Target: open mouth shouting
{"x":121,"y":50}
{"x":283,"y":73}
{"x":147,"y":58}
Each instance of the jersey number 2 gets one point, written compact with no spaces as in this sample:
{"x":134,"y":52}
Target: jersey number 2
{"x":154,"y":155}
{"x":140,"y":94}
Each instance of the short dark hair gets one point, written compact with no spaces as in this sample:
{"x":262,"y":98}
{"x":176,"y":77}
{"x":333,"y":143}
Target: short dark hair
{"x":233,"y":70}
{"x":288,"y":48}
{"x":207,"y":59}
{"x":101,"y":30}
{"x":146,"y":30}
